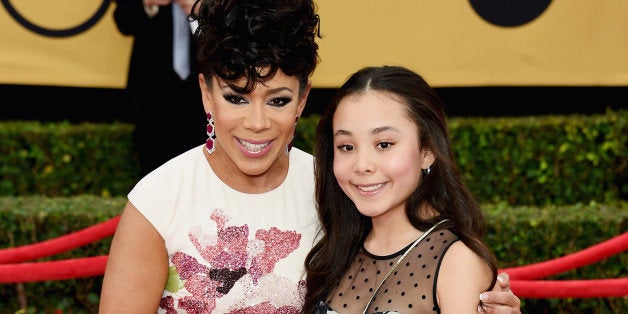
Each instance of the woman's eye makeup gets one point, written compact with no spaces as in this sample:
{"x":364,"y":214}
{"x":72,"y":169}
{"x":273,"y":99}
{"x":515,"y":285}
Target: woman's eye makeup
{"x":234,"y":99}
{"x":274,"y":102}
{"x":280,"y":101}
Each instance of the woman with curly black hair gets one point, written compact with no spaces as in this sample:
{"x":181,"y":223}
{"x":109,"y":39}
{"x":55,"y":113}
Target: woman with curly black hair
{"x":225,"y":226}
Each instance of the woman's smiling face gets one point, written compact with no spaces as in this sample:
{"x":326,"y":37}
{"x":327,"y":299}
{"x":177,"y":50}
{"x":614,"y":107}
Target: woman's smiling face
{"x":253,"y":130}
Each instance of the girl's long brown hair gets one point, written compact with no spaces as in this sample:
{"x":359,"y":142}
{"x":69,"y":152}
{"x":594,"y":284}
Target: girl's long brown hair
{"x":343,"y":228}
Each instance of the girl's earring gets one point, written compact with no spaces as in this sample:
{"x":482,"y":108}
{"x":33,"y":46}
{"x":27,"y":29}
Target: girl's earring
{"x":289,"y":146}
{"x":427,"y":170}
{"x":209,"y":144}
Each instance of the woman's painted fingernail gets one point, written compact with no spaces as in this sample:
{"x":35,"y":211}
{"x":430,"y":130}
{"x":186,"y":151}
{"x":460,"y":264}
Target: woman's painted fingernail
{"x":483,"y":297}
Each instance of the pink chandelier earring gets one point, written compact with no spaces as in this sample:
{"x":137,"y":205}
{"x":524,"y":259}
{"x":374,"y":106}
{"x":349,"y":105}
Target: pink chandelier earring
{"x":289,"y":146}
{"x":209,"y":144}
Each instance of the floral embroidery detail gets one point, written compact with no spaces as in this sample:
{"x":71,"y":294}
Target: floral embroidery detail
{"x":230,"y":258}
{"x":227,"y":277}
{"x":167,"y":304}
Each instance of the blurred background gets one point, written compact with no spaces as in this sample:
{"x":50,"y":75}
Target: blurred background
{"x":65,"y":59}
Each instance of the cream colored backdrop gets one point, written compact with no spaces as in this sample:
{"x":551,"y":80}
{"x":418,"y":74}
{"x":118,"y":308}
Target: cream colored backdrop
{"x":97,"y":57}
{"x":573,"y":43}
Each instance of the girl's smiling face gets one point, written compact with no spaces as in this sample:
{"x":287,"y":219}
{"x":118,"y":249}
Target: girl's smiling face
{"x":377,"y":154}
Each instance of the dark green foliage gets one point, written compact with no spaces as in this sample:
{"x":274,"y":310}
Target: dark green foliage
{"x":543,"y":160}
{"x":304,"y":138}
{"x":63,"y":159}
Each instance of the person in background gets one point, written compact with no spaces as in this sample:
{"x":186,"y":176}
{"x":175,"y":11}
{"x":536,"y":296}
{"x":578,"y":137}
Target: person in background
{"x":225,"y":226}
{"x":162,"y":83}
{"x":400,"y":231}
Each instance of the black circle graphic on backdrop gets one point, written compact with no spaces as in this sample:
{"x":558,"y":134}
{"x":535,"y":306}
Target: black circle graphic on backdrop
{"x":509,"y":13}
{"x":67,"y":32}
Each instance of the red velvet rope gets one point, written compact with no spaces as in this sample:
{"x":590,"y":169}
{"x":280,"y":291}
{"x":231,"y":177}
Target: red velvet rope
{"x":585,"y":257}
{"x":522,"y":285}
{"x":53,"y":270}
{"x":12,"y":271}
{"x":60,"y":244}
{"x":595,"y":288}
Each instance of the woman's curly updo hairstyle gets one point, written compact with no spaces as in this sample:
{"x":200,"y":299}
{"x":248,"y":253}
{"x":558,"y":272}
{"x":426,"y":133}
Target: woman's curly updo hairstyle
{"x":237,"y":38}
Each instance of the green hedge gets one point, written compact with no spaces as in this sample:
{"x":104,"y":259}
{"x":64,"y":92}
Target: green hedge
{"x":544,"y":160}
{"x":518,"y":160}
{"x":518,"y":235}
{"x":63,"y":159}
{"x":550,"y":185}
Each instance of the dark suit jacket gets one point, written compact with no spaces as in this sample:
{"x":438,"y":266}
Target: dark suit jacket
{"x":151,"y":59}
{"x":169,"y":113}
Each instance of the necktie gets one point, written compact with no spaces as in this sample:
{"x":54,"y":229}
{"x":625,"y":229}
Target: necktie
{"x":181,"y":42}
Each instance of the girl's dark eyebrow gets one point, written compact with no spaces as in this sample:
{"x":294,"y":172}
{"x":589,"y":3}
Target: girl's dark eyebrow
{"x":384,"y":129}
{"x":374,"y":131}
{"x":341,"y":132}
